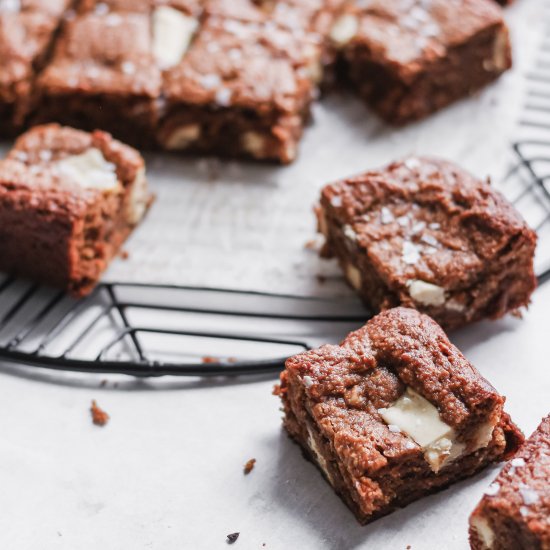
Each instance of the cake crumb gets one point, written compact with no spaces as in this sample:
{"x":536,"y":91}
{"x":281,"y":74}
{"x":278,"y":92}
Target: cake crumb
{"x":311,"y":245}
{"x":99,"y":416}
{"x":249,"y":466}
{"x":209,"y":359}
{"x":232,"y":538}
{"x":124,"y":254}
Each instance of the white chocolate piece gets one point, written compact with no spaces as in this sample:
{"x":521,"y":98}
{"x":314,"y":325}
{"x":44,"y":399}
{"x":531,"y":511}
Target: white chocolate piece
{"x":90,"y":170}
{"x":484,"y":531}
{"x":253,"y":143}
{"x":344,"y":29}
{"x":425,"y":293}
{"x":138,"y":199}
{"x":419,"y":419}
{"x":172,"y":34}
{"x":318,"y":455}
{"x":183,"y":137}
{"x":353,"y":275}
{"x":499,"y":61}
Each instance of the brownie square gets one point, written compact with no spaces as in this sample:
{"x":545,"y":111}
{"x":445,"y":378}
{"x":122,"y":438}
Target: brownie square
{"x":424,"y":233}
{"x":107,"y":70}
{"x":514,"y":513}
{"x":243,"y":89}
{"x":394,"y":413}
{"x":68,"y":200}
{"x":409,"y":59}
{"x":27,"y":29}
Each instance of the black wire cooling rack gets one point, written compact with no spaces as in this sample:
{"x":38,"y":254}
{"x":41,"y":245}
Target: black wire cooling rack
{"x":129,"y":329}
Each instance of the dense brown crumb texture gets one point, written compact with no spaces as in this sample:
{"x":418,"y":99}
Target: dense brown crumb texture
{"x":68,"y":200}
{"x":408,"y":59}
{"x":395,"y":412}
{"x":424,"y":233}
{"x":514,"y":513}
{"x":236,"y":77}
{"x":99,"y":416}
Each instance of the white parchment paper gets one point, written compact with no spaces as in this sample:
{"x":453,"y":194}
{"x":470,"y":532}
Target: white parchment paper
{"x":166,"y":472}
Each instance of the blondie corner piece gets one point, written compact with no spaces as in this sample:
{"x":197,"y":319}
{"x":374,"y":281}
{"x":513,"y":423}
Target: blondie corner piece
{"x":394,"y":413}
{"x":27,"y":29}
{"x":408,"y":59}
{"x":514,"y":513}
{"x":68,"y":200}
{"x":424,"y":233}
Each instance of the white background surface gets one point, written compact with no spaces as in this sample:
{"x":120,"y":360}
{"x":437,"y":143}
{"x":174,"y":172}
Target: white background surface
{"x":166,"y":472}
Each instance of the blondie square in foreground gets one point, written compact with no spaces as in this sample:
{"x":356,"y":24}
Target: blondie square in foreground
{"x":410,"y":58}
{"x":424,"y":233}
{"x":514,"y":513}
{"x":394,"y":413}
{"x":68,"y":200}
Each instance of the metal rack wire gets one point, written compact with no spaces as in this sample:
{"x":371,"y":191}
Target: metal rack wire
{"x":120,"y":327}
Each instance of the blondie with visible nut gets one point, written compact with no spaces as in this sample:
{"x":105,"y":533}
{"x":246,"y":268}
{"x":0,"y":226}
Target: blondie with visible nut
{"x":107,"y":68}
{"x":409,"y":59}
{"x":424,"y":233}
{"x":394,"y":413}
{"x":243,"y":89}
{"x":68,"y":200}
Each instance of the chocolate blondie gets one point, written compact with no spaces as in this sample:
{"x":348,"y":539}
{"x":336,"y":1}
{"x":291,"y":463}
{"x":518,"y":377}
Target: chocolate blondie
{"x":424,"y":233}
{"x":27,"y":29}
{"x":68,"y":200}
{"x":394,"y":413}
{"x":514,"y":513}
{"x":107,"y":69}
{"x":243,"y":89}
{"x":409,"y":59}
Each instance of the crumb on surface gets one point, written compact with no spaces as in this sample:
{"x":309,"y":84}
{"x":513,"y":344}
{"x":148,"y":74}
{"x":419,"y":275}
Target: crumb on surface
{"x":249,"y":466}
{"x":209,"y":359}
{"x":103,"y":383}
{"x":321,"y":279}
{"x":232,"y":538}
{"x":311,"y":244}
{"x":99,"y":416}
{"x":124,"y":254}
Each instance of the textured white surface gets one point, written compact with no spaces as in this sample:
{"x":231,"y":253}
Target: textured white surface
{"x":166,"y":472}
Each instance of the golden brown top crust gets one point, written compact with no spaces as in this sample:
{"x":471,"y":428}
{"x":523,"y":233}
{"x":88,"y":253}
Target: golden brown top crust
{"x":298,"y":15}
{"x":191,"y":7}
{"x":400,"y":347}
{"x":246,"y":65}
{"x":427,"y":219}
{"x":521,"y":491}
{"x":104,"y":54}
{"x":29,"y":172}
{"x":408,"y":34}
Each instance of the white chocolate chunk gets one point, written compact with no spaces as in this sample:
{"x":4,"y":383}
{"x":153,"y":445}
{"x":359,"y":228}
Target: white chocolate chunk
{"x":182,"y":137}
{"x":350,"y":233}
{"x":89,"y":170}
{"x":419,"y":419}
{"x":499,"y":61}
{"x":485,"y":534}
{"x":483,"y":436}
{"x":353,"y":275}
{"x":138,"y":199}
{"x":253,"y":143}
{"x":518,"y":462}
{"x":425,"y":293}
{"x":317,"y":452}
{"x":344,"y":29}
{"x":172,"y":34}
